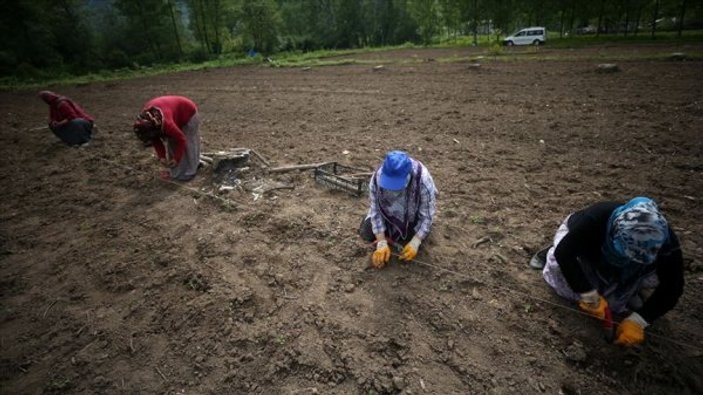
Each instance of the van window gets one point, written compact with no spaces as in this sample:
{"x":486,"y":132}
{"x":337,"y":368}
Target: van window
{"x":521,"y":34}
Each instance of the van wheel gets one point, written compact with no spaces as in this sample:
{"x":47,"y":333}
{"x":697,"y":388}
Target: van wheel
{"x":536,"y":43}
{"x":509,"y":43}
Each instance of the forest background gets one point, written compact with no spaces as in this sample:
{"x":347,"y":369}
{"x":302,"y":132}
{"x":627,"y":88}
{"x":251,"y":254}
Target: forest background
{"x":49,"y":40}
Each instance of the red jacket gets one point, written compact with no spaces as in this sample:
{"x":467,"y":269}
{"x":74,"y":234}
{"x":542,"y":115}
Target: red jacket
{"x":177,"y":112}
{"x":62,"y":108}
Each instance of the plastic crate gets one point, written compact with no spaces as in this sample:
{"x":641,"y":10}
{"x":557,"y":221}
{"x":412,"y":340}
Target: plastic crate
{"x":349,"y":179}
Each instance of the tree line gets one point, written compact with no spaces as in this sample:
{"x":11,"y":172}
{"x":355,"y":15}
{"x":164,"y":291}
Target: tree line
{"x":80,"y":36}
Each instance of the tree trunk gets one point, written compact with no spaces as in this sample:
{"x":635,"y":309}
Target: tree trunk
{"x":152,"y":43}
{"x":198,"y":25}
{"x":561,"y":22}
{"x":175,"y":28}
{"x":475,"y":23}
{"x":572,"y":17}
{"x":655,"y":14}
{"x":600,"y":17}
{"x":627,"y":17}
{"x":639,"y":17}
{"x":203,"y":18}
{"x":683,"y":14}
{"x":216,"y":24}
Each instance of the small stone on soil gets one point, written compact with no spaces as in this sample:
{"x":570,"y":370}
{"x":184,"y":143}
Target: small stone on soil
{"x":575,"y":353}
{"x":398,"y":382}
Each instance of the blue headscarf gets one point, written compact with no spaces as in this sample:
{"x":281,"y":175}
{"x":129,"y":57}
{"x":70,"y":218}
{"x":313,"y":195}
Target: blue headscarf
{"x":636,"y":231}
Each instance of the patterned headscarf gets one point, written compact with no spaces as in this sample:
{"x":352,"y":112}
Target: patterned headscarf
{"x":636,"y":231}
{"x":148,"y":124}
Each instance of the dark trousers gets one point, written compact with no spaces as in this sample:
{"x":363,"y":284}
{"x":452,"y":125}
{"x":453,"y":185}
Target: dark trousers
{"x":366,"y":233}
{"x":75,"y":132}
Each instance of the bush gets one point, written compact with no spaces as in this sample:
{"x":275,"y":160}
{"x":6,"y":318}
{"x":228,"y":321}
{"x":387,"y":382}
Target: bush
{"x":117,"y":58}
{"x":8,"y":61}
{"x":26,"y":71}
{"x":198,"y":55}
{"x":495,"y":49}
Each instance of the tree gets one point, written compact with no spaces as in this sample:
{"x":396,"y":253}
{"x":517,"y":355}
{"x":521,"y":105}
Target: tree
{"x":147,"y":27}
{"x":175,"y":27}
{"x":451,"y":11}
{"x":424,"y":12}
{"x":260,"y":22}
{"x":655,"y":16}
{"x":601,"y":11}
{"x":682,"y":15}
{"x":350,"y":24}
{"x":501,"y":11}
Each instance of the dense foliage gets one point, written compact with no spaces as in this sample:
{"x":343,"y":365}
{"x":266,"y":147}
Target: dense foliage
{"x":79,"y":36}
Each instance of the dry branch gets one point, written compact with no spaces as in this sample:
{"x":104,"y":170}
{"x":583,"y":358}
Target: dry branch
{"x":308,"y":166}
{"x":261,"y":158}
{"x":47,"y":309}
{"x":161,"y":374}
{"x":484,"y":239}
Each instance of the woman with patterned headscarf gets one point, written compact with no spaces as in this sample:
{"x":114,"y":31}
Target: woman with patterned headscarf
{"x":68,"y":120}
{"x":617,"y":257}
{"x":402,"y":200}
{"x":171,"y":125}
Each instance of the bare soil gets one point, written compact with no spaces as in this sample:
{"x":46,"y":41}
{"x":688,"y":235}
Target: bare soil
{"x":113,"y":281}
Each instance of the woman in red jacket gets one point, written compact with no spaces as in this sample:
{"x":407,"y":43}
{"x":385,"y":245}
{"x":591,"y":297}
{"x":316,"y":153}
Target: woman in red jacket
{"x":171,"y":125}
{"x":67,"y":119}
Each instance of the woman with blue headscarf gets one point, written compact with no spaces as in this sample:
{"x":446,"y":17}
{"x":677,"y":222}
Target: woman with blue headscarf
{"x":622,"y":257}
{"x":402,"y":200}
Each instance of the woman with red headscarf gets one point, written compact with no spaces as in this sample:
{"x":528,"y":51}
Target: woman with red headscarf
{"x":171,"y":125}
{"x":68,"y":120}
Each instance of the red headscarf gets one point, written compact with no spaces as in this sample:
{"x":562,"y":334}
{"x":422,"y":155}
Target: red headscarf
{"x":61,"y":107}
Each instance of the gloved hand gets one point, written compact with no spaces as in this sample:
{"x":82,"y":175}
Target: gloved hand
{"x":630,"y":332}
{"x":410,"y":250}
{"x":382,"y":254}
{"x":593,"y":304}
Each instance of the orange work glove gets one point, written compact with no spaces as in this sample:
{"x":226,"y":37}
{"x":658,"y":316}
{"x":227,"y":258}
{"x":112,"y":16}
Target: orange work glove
{"x":593,"y":304}
{"x":630,"y":332}
{"x":382,"y":254}
{"x":410,"y":250}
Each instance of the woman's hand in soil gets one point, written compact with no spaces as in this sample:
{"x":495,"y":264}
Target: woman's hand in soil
{"x":167,"y":163}
{"x":593,"y":304}
{"x":382,"y":254}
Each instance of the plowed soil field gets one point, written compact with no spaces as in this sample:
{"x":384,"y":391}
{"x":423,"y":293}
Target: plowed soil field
{"x":113,"y":281}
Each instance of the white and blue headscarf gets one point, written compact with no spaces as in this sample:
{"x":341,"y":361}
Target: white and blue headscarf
{"x":636,"y":231}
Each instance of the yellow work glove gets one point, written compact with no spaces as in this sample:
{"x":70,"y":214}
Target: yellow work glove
{"x":382,"y":254}
{"x":410,"y":250}
{"x":631,"y":331}
{"x":593,"y":304}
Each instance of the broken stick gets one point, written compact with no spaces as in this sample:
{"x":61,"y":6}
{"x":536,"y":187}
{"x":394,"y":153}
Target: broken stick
{"x":261,"y":158}
{"x":308,"y":166}
{"x":48,"y":308}
{"x":480,"y":241}
{"x":161,"y":374}
{"x":278,"y":187}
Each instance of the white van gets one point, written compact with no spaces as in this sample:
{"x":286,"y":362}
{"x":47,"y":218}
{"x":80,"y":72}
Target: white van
{"x":530,"y":36}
